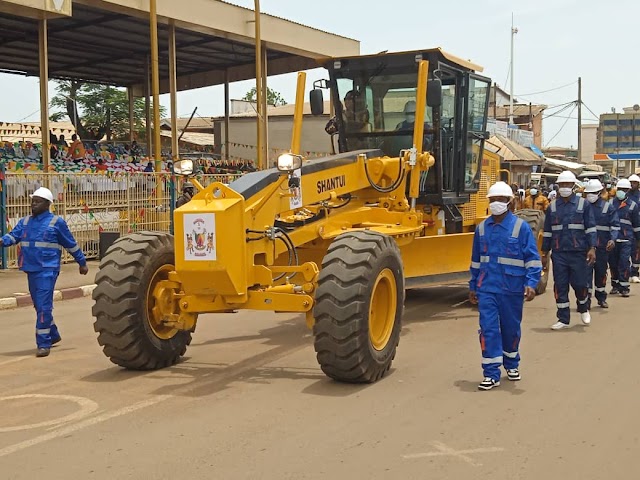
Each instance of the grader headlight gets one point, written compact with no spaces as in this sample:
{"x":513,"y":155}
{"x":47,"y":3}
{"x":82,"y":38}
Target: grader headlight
{"x":183,"y":167}
{"x":289,"y":162}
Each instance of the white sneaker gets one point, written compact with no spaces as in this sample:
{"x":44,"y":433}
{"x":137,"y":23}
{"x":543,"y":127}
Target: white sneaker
{"x":586,"y":318}
{"x":559,"y":326}
{"x":634,"y":279}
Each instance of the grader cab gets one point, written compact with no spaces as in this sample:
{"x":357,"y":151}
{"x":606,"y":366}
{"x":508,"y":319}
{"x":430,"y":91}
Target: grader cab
{"x":337,"y":238}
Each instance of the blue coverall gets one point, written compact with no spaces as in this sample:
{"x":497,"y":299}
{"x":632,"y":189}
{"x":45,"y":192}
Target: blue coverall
{"x":504,"y":261}
{"x":635,"y":252}
{"x":569,"y":232}
{"x":619,"y":260}
{"x":608,"y":228}
{"x":41,"y":240}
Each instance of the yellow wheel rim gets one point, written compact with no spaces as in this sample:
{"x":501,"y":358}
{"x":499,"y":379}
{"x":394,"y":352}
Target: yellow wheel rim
{"x":161,"y":303}
{"x":382,"y":309}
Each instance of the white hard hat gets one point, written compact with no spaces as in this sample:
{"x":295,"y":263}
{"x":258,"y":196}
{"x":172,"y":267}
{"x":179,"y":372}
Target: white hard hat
{"x":566,"y":177}
{"x":593,"y":186}
{"x":634,"y":178}
{"x":623,"y":183}
{"x":43,"y":193}
{"x":500,"y":189}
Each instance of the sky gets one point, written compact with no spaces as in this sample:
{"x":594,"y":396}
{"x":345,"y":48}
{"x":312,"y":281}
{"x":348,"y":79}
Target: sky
{"x":557,"y":42}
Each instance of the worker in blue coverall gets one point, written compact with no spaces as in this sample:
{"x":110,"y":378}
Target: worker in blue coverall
{"x":607,"y":230}
{"x":634,"y":194}
{"x":41,"y":237}
{"x":570,"y":232}
{"x":505,"y":270}
{"x":619,"y":261}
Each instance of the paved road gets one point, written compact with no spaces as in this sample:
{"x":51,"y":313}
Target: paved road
{"x":250,"y":402}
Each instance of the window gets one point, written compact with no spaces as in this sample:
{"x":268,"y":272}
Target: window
{"x":476,"y":126}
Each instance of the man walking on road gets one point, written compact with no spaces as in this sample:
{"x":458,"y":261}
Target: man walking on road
{"x":570,"y":231}
{"x":535,"y":201}
{"x":607,"y":229}
{"x":629,"y":215}
{"x":41,"y":237}
{"x":634,"y":194}
{"x":505,"y":270}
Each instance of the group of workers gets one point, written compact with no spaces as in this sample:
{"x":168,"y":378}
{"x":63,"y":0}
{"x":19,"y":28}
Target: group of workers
{"x":585,"y":235}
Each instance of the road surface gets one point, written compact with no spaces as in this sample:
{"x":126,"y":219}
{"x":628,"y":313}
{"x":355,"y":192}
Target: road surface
{"x":250,"y":402}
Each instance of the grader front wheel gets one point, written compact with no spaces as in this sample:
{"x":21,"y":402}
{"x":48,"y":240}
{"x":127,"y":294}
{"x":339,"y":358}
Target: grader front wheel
{"x":359,"y":304}
{"x":131,"y":303}
{"x":535,"y":219}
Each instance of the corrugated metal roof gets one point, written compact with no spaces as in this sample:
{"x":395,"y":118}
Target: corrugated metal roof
{"x":511,"y":151}
{"x":195,"y":138}
{"x":519,"y":110}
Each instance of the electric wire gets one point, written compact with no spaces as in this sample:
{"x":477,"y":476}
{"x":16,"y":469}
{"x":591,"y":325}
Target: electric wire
{"x":546,"y":91}
{"x":561,"y":128}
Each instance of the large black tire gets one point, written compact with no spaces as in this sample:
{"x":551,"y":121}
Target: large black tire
{"x":535,"y":219}
{"x":121,"y":304}
{"x":356,"y":264}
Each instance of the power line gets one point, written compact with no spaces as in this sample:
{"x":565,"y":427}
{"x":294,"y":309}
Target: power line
{"x":562,"y":127}
{"x":564,"y":109}
{"x":546,"y":91}
{"x":30,"y":115}
{"x":595,"y":116}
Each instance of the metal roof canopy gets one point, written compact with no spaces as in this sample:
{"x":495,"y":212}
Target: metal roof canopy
{"x":108,"y":42}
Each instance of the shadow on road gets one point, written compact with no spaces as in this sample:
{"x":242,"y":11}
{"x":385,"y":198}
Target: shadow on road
{"x":506,"y":386}
{"x":200,"y":379}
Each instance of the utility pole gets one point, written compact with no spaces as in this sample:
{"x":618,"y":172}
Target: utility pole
{"x":579,"y":119}
{"x":513,"y":34}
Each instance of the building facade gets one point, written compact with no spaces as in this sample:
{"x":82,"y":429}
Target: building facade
{"x":619,"y":132}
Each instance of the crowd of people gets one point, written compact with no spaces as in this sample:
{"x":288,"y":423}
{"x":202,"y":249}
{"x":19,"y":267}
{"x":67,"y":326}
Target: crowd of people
{"x":590,"y":231}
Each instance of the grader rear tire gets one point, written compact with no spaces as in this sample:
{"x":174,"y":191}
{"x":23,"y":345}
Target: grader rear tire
{"x":359,"y":305}
{"x":535,"y":219}
{"x":128,"y":325}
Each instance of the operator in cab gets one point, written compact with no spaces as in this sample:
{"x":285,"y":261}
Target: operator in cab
{"x":505,"y":270}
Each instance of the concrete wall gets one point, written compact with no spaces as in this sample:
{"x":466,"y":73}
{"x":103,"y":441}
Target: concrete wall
{"x":589,"y":143}
{"x":242,"y":137}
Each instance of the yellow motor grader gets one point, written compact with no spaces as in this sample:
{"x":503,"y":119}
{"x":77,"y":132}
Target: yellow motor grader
{"x":338,"y":238}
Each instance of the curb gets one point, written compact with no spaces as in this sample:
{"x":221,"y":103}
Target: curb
{"x":58,"y":295}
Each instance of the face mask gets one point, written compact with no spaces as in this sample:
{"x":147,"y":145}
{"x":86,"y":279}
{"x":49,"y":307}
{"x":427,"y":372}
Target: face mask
{"x":534,"y":192}
{"x":608,"y":186}
{"x":621,"y":194}
{"x":565,"y":192}
{"x":592,"y":197}
{"x":498,"y":208}
{"x":410,"y":118}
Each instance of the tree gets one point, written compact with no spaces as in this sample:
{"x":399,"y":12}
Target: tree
{"x":99,"y":110}
{"x":273,"y":97}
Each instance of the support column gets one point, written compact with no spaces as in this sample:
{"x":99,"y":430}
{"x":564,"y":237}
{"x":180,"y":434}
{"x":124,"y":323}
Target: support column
{"x":43,"y":53}
{"x":147,"y":106}
{"x":226,"y":115}
{"x":260,"y":132}
{"x":155,"y":85}
{"x":173,"y":84}
{"x":132,"y":120}
{"x":265,"y":113}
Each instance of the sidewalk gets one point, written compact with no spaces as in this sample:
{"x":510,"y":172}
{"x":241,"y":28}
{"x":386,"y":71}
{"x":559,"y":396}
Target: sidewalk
{"x":14,"y":288}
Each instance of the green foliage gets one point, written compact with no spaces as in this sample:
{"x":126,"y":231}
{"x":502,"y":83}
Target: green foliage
{"x":273,"y":98}
{"x":101,"y":110}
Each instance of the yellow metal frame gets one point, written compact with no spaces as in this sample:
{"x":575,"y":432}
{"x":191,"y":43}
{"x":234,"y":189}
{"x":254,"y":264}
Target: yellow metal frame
{"x":250,"y":269}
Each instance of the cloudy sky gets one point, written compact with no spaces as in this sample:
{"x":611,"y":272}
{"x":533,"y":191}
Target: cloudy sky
{"x":558,"y":41}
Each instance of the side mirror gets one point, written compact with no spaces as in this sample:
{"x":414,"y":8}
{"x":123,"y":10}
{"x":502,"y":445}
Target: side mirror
{"x":316,"y":100}
{"x":183,"y":167}
{"x":434,"y":93}
{"x":289,"y":162}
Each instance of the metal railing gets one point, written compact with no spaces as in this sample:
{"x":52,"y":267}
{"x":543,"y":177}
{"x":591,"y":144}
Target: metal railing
{"x":94,"y":203}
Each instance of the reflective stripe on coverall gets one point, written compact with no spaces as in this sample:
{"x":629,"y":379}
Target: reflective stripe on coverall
{"x":608,"y":228}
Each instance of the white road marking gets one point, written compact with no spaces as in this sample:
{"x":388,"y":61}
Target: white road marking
{"x":14,"y":360}
{"x":61,"y":432}
{"x":87,"y":407}
{"x":444,"y":451}
{"x":460,"y":303}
